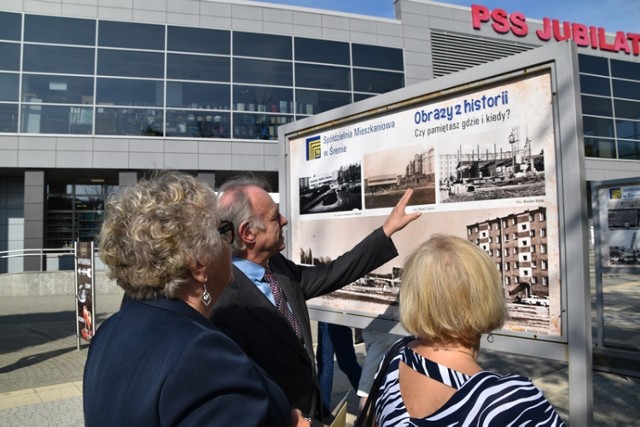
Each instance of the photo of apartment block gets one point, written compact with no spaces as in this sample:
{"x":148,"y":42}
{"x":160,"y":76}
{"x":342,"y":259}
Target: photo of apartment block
{"x":518,"y":245}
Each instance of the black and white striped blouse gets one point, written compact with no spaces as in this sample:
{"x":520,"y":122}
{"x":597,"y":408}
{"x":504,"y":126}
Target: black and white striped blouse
{"x":483,"y":399}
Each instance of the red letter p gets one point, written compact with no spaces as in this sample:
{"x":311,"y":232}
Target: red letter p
{"x":479,"y":14}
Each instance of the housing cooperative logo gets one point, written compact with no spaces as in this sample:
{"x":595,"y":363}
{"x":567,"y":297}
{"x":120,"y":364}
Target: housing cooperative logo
{"x":313,"y":148}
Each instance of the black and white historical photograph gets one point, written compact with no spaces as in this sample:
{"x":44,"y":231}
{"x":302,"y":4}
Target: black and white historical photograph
{"x":519,"y":241}
{"x":619,"y":226}
{"x":387,"y":174}
{"x":624,"y":248}
{"x":336,"y":190}
{"x":624,"y":214}
{"x":508,"y":163}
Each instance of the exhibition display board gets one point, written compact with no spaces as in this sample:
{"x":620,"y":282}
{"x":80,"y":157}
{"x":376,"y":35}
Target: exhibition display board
{"x":482,"y":167}
{"x":494,"y":155}
{"x":616,"y":224}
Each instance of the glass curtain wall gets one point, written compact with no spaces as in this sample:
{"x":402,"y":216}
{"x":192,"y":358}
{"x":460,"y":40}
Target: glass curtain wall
{"x":99,"y":77}
{"x":75,"y":212}
{"x":610,"y":107}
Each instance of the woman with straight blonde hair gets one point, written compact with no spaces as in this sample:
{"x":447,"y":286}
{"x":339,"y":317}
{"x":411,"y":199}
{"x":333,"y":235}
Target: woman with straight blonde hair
{"x":450,"y":295}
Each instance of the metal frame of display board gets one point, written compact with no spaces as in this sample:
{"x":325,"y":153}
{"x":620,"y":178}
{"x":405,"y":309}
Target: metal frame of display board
{"x":603,"y":195}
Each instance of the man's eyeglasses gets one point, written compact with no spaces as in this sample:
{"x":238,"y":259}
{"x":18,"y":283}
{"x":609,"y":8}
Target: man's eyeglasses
{"x":226,"y":231}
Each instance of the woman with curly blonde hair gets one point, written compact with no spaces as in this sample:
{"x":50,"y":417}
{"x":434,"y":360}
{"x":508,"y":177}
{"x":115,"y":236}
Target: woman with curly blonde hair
{"x":159,"y":361}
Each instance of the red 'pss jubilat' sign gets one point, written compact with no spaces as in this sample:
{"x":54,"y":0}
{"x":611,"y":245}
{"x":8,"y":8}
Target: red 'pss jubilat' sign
{"x":552,"y":29}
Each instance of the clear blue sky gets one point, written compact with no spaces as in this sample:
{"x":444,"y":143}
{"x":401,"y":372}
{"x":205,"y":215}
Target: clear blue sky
{"x":613,"y":15}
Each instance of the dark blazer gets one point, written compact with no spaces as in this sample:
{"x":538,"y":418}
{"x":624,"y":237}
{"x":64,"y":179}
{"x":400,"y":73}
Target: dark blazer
{"x":161,"y":363}
{"x":248,"y":317}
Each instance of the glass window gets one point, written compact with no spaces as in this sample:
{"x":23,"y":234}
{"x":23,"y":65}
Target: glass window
{"x":197,"y":124}
{"x":262,"y":72}
{"x":54,"y":29}
{"x":129,"y":35}
{"x":376,"y":81}
{"x":323,"y":51}
{"x":196,"y":67}
{"x":57,"y":59}
{"x":629,"y":150}
{"x":74,"y":211}
{"x":10,"y":25}
{"x":593,"y":65}
{"x":9,"y":84}
{"x":129,"y":121}
{"x":198,"y":40}
{"x":258,"y":126}
{"x":58,"y":89}
{"x":257,"y":98}
{"x":323,"y":77}
{"x":198,"y":95}
{"x":628,"y":129}
{"x":599,"y":147}
{"x":130,"y":63}
{"x":596,"y":106}
{"x":261,"y":45}
{"x":360,"y":96}
{"x":314,"y":102}
{"x":596,"y":126}
{"x":9,"y":118}
{"x":9,"y":56}
{"x":595,"y":85}
{"x":129,"y":92}
{"x":625,"y":69}
{"x":626,"y":89}
{"x":89,"y":198}
{"x":627,"y":109}
{"x":377,"y":57}
{"x":56,"y":119}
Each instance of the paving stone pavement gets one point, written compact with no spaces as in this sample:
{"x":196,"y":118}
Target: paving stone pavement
{"x":41,"y":369}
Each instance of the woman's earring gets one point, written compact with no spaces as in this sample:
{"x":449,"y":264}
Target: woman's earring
{"x":206,"y":296}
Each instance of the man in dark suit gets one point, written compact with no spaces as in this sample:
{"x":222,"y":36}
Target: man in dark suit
{"x":247,"y":310}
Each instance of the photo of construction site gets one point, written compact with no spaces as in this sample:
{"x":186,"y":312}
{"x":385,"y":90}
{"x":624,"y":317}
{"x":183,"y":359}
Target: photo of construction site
{"x":387,"y":174}
{"x":624,"y":214}
{"x":624,"y":249}
{"x":510,"y":165}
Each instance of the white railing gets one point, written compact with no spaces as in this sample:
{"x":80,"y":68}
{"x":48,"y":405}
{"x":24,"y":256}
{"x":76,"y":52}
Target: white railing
{"x":50,"y":258}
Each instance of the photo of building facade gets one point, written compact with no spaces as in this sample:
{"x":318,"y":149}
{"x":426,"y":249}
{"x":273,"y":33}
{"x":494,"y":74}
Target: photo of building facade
{"x":94,"y":95}
{"x":392,"y":173}
{"x":518,"y":245}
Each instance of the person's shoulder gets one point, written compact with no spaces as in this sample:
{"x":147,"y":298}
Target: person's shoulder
{"x":504,"y":379}
{"x":280,"y":264}
{"x":496,"y":386}
{"x":279,"y":260}
{"x":514,"y":398}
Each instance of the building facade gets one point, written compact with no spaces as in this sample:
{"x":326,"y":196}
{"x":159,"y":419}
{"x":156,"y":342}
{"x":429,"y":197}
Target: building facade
{"x":94,"y":94}
{"x":518,"y":245}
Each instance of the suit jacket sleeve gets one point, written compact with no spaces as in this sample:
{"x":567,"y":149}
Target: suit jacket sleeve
{"x":372,"y":252}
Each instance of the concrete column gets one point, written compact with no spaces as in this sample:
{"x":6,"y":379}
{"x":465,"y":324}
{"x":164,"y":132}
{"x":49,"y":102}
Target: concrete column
{"x":209,"y":178}
{"x":34,"y":215}
{"x":127,"y":178}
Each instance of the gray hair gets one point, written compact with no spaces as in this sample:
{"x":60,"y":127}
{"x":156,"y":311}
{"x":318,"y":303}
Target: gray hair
{"x":234,"y":205}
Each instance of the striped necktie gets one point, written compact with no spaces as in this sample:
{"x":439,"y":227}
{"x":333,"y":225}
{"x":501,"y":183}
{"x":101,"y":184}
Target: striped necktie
{"x":281,"y":302}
